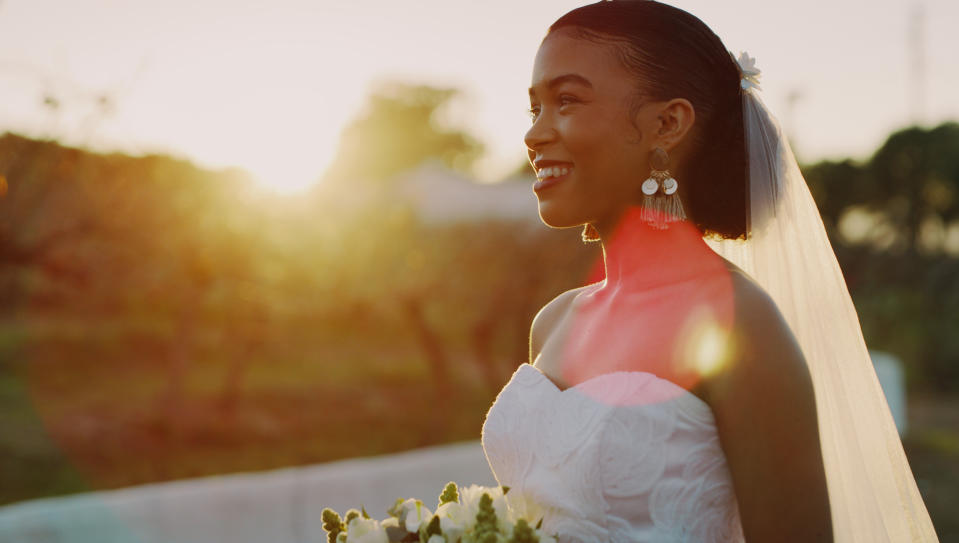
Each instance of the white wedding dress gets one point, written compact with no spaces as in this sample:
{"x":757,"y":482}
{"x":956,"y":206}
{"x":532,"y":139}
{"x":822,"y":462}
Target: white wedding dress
{"x":621,"y":457}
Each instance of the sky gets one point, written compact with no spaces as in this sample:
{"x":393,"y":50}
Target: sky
{"x":267,"y":85}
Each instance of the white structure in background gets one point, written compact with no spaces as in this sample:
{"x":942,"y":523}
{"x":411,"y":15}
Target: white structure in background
{"x":280,"y":506}
{"x":441,"y":195}
{"x":889,"y":371}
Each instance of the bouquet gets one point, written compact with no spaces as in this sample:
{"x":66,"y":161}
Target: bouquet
{"x":475,"y":514}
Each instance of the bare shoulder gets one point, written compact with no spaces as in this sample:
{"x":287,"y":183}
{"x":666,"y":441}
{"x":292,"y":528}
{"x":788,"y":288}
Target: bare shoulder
{"x":765,"y":411}
{"x":762,"y":334}
{"x":764,"y":353}
{"x":549,"y":316}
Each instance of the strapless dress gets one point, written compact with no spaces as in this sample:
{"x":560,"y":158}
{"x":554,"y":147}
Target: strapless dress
{"x":621,"y":457}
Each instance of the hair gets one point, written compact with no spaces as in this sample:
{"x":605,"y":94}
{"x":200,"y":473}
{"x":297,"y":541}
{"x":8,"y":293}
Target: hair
{"x":675,"y":55}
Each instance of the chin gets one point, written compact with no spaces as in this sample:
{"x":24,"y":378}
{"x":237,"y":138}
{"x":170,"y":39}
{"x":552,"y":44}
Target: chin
{"x":557,"y":218}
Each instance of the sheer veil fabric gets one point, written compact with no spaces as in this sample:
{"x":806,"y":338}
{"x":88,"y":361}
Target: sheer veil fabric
{"x":872,"y":491}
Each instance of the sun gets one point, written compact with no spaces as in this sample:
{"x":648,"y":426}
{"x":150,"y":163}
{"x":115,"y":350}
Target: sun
{"x":289,"y":165}
{"x":287,"y":179}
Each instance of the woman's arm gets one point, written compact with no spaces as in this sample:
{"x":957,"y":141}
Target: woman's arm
{"x":766,"y":417}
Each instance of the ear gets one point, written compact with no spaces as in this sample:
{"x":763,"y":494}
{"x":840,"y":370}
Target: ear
{"x":674,"y":120}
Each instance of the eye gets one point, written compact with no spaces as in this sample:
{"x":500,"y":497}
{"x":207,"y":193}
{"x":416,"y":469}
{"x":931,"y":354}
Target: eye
{"x":533,"y":112}
{"x":566,"y":99}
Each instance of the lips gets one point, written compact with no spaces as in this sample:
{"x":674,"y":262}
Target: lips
{"x":549,"y":173}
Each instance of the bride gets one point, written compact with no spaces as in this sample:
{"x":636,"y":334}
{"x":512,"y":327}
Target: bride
{"x":714,"y":386}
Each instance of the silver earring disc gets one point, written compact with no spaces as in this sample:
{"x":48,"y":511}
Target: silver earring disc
{"x":670,"y":185}
{"x":650,"y":186}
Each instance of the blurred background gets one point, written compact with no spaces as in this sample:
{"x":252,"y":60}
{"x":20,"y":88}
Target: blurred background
{"x":237,"y":236}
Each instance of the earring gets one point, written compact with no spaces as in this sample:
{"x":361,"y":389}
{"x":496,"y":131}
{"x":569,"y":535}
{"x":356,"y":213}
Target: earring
{"x":661,"y":203}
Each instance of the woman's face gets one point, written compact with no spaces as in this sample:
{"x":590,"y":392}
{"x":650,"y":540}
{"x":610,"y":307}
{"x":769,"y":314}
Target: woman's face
{"x":590,"y":157}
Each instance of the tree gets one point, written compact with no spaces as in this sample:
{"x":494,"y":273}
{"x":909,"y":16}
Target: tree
{"x":399,"y":130}
{"x":912,"y":181}
{"x":916,"y":179}
{"x":900,"y":274}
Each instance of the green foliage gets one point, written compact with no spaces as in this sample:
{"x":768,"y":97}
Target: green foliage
{"x":486,"y":529}
{"x":400,"y":130}
{"x":449,"y":494}
{"x":911,"y":182}
{"x":132,"y":284}
{"x":523,"y":533}
{"x":396,"y":510}
{"x":431,"y":529}
{"x":332,"y":524}
{"x":897,"y":208}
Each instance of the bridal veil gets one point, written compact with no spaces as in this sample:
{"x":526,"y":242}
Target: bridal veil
{"x":872,"y":491}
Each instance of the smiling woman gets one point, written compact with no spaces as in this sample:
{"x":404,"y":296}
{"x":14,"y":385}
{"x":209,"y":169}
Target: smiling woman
{"x":695,"y":393}
{"x":583,"y":146}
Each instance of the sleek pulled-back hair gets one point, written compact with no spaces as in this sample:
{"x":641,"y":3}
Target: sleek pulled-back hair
{"x":675,"y":55}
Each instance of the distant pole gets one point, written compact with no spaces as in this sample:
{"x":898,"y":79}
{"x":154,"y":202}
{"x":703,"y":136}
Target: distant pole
{"x":794,"y":96}
{"x":917,"y":73}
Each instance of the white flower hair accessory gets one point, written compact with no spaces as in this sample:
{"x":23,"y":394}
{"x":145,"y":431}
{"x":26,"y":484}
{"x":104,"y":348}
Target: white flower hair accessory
{"x":748,"y":72}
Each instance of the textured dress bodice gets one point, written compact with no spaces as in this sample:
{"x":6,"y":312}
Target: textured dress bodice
{"x":621,"y":457}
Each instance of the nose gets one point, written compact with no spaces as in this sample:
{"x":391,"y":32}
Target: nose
{"x":539,"y":134}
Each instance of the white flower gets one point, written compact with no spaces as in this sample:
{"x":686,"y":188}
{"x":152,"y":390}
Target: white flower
{"x":453,"y":520}
{"x":750,"y":73}
{"x":416,"y":514}
{"x":436,"y":539}
{"x":363,"y":530}
{"x":470,"y":498}
{"x":523,"y":506}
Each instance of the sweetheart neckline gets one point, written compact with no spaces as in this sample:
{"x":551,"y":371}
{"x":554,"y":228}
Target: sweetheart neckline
{"x":685,"y":395}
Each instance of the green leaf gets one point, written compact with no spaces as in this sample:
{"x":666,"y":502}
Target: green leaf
{"x":332,"y":524}
{"x":485,"y":520}
{"x":450,"y":493}
{"x":522,"y":533}
{"x":394,"y":510}
{"x":505,"y":489}
{"x":365,"y":514}
{"x":431,"y":529}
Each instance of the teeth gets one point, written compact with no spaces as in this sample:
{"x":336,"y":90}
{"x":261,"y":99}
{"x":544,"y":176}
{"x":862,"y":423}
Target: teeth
{"x":555,"y":171}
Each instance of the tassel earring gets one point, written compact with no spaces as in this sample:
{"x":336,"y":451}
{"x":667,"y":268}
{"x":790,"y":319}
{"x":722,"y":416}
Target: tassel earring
{"x":661,"y":205}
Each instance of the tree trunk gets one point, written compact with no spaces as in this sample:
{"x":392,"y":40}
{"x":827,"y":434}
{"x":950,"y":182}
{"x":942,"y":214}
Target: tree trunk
{"x":439,"y":368}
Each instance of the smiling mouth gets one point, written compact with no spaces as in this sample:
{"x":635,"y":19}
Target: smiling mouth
{"x":549,"y":176}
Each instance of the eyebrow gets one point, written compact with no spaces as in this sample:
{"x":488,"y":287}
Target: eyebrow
{"x":565,"y":78}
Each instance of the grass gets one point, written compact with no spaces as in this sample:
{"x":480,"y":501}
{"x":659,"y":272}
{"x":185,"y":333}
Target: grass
{"x":85,"y":412}
{"x":932,"y":446}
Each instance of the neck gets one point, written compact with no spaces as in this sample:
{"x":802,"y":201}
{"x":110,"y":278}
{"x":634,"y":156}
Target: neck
{"x":637,"y":255}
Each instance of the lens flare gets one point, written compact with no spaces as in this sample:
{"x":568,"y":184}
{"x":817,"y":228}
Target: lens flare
{"x":705,"y":344}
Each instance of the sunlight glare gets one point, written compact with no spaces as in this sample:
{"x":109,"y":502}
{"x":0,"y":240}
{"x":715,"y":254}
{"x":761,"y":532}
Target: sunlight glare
{"x":289,"y":165}
{"x":710,"y":349}
{"x":706,"y":343}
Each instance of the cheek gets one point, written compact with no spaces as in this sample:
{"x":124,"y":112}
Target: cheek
{"x":604,"y":155}
{"x":590,"y":143}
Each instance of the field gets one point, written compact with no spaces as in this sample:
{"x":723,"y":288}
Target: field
{"x":93,"y":408}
